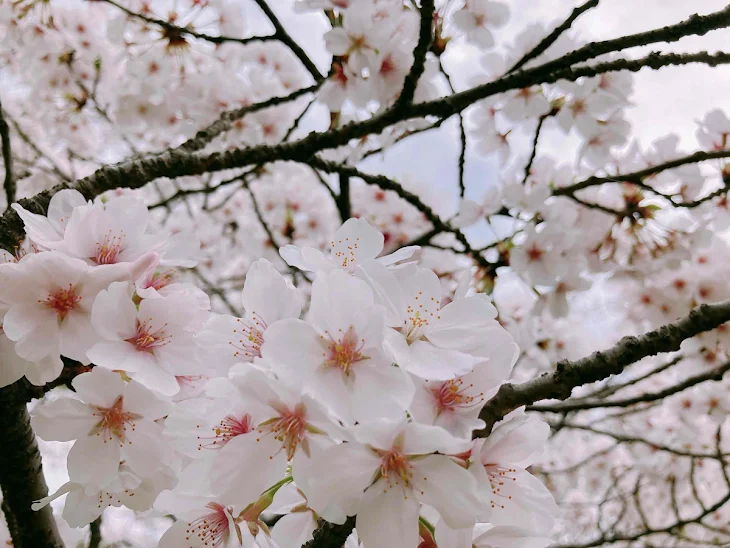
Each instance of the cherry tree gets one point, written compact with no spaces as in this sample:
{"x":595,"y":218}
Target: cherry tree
{"x":216,"y":296}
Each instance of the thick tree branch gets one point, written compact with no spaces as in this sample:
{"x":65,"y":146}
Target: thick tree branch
{"x":550,"y":39}
{"x":206,"y":135}
{"x":330,"y":535}
{"x":602,"y":364}
{"x":21,"y":475}
{"x":9,"y":182}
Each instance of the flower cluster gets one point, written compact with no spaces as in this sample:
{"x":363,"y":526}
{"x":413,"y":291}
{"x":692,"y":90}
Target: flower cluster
{"x":363,"y":406}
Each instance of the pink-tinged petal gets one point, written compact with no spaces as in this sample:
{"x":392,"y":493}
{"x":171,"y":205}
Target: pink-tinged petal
{"x":294,"y":529}
{"x":114,"y":314}
{"x":337,"y":41}
{"x":94,"y":459}
{"x":145,"y":449}
{"x":356,"y":242}
{"x":63,"y":419}
{"x":39,"y":228}
{"x":46,"y":370}
{"x":12,"y":366}
{"x":336,"y":478}
{"x":460,"y":325}
{"x":388,"y":517}
{"x":293,"y":256}
{"x":79,"y":509}
{"x":40,"y":343}
{"x":268,"y":296}
{"x":145,"y":402}
{"x":502,"y":536}
{"x":515,"y":440}
{"x":453,"y":538}
{"x":247,"y":466}
{"x":225,"y":340}
{"x":329,"y":293}
{"x":154,"y":377}
{"x":23,"y":319}
{"x":118,"y":356}
{"x":399,"y":255}
{"x":62,"y":205}
{"x":428,"y":361}
{"x":293,"y":347}
{"x":422,"y":439}
{"x":521,"y":500}
{"x":387,"y":291}
{"x":98,"y":387}
{"x":449,"y":488}
{"x":380,"y":390}
{"x":77,"y":336}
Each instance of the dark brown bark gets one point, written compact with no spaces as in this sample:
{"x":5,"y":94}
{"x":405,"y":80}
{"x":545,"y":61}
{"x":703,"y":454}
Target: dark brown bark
{"x":21,"y":475}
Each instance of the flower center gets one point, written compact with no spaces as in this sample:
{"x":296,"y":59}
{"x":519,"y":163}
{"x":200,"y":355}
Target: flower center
{"x":114,"y":420}
{"x":146,"y":340}
{"x":289,"y":427}
{"x":210,"y":529}
{"x":108,"y":249}
{"x":451,"y":395}
{"x":394,"y":467}
{"x":63,"y":301}
{"x":420,"y":312}
{"x":250,"y":337}
{"x":226,"y":430}
{"x":345,"y":352}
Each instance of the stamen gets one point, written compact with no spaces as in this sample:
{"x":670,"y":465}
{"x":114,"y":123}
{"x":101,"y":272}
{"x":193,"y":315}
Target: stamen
{"x":63,"y":301}
{"x":211,"y":529}
{"x":226,"y":430}
{"x":113,"y":421}
{"x":345,"y":351}
{"x":250,"y":337}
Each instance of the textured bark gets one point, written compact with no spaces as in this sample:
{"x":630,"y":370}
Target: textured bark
{"x":330,"y":535}
{"x":21,"y":476}
{"x":602,"y":364}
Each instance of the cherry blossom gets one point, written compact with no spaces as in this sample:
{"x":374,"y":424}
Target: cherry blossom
{"x":111,"y":421}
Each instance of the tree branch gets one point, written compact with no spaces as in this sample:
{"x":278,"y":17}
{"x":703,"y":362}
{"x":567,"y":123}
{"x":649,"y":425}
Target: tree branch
{"x":602,"y":364}
{"x":283,"y":36}
{"x":425,"y":35}
{"x":712,"y":375}
{"x":21,"y":475}
{"x":550,"y":39}
{"x":9,"y":183}
{"x":330,"y":535}
{"x":179,"y":31}
{"x":637,"y":177}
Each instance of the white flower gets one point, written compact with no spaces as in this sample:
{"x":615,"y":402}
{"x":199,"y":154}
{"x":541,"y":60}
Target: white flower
{"x":267,"y":298}
{"x":385,"y":474}
{"x":477,"y":16}
{"x":47,"y":230}
{"x":112,"y":421}
{"x":455,"y":404}
{"x":49,"y":297}
{"x":425,"y":339}
{"x":354,"y":244}
{"x":338,"y":354}
{"x":153,"y":342}
{"x":359,"y":38}
{"x":85,"y":503}
{"x":514,"y":496}
{"x":286,"y":428}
